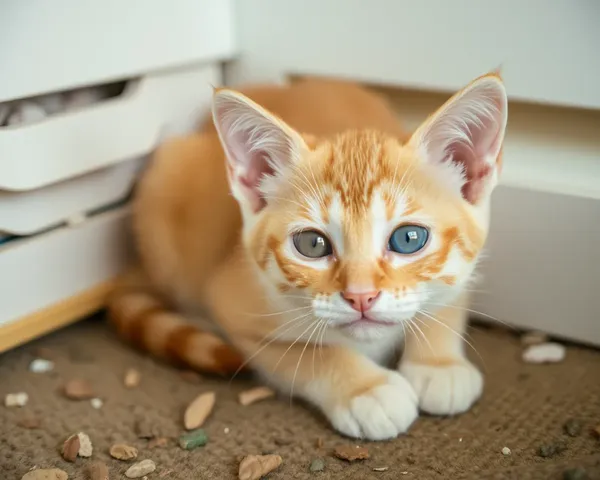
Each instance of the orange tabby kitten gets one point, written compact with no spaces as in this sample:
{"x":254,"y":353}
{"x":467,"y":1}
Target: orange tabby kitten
{"x":307,"y":233}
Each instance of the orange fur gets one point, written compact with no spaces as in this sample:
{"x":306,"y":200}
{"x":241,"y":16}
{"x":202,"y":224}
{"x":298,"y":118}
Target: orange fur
{"x":200,"y":256}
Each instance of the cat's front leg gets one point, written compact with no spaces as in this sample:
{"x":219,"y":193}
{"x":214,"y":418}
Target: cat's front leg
{"x":360,"y":398}
{"x":446,"y":382}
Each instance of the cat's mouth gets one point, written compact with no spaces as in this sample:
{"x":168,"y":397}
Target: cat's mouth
{"x":366,"y":321}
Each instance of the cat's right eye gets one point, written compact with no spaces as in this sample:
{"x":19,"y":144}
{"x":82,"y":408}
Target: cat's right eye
{"x":312,"y":244}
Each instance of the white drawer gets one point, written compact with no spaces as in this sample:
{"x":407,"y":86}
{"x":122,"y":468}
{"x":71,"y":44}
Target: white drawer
{"x":68,"y":144}
{"x":50,"y":46}
{"x":78,"y":161}
{"x":46,"y":269}
{"x":27,"y":213}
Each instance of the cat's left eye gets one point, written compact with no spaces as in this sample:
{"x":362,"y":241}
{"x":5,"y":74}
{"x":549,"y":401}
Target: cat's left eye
{"x":408,"y":239}
{"x":312,"y":244}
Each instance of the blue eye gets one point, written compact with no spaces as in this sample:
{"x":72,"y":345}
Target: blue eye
{"x":408,"y":239}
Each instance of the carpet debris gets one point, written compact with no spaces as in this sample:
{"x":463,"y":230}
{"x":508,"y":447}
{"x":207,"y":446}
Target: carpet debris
{"x":140,"y":469}
{"x":132,"y":378}
{"x":85,"y":445}
{"x":19,"y":399}
{"x":121,"y":451}
{"x":46,"y":474}
{"x":506,"y":451}
{"x":194,"y":439}
{"x":70,"y":448}
{"x":254,"y":467}
{"x":544,"y":353}
{"x":253,"y":395}
{"x":78,"y":389}
{"x":198,"y":411}
{"x":41,"y":365}
{"x":317,"y":465}
{"x":351,"y":452}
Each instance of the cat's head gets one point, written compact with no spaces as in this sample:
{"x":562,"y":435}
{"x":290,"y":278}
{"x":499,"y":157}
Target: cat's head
{"x":365,"y":228}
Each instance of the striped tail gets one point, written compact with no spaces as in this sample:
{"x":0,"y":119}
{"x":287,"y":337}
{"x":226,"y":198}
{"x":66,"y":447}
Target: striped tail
{"x":141,"y":318}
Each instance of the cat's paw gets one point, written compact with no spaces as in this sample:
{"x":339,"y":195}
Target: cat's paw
{"x":381,"y":413}
{"x":444,"y":389}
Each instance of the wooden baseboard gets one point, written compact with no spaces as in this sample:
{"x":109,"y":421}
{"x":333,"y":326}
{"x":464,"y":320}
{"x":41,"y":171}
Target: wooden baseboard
{"x":55,"y":316}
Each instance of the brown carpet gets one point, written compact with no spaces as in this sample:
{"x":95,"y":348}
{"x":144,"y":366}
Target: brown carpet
{"x":524,"y":407}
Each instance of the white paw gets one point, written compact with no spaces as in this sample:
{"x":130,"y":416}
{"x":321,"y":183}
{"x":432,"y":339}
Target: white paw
{"x":382,"y":413}
{"x":444,"y":390}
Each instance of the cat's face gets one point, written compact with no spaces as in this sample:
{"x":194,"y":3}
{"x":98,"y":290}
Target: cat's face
{"x":363,"y":230}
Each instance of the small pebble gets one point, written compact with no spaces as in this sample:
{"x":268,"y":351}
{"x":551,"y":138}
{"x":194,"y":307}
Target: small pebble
{"x":193,"y":439}
{"x":544,"y":353}
{"x":77,"y":389}
{"x":70,"y":448}
{"x":317,"y":465}
{"x":572,"y":428}
{"x":16,"y":399}
{"x":41,"y":365}
{"x":46,"y":474}
{"x":226,"y":430}
{"x":85,"y":445}
{"x":351,"y":452}
{"x":96,"y":403}
{"x":132,"y":378}
{"x":505,"y":451}
{"x":575,"y":474}
{"x":140,"y":469}
{"x":120,"y":451}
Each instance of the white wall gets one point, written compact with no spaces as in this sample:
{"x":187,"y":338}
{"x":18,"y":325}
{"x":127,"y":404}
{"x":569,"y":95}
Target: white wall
{"x":548,"y":48}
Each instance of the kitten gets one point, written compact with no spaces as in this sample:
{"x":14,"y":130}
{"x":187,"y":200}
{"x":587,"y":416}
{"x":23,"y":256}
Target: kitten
{"x":317,"y":238}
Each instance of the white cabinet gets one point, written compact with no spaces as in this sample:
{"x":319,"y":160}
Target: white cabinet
{"x":62,"y":177}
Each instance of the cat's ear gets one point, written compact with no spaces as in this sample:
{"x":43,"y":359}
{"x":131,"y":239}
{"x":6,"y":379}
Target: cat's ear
{"x":259,"y":147}
{"x":464,"y":137}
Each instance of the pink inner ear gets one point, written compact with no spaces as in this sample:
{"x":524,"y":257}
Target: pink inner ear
{"x":258,"y":168}
{"x":472,"y":158}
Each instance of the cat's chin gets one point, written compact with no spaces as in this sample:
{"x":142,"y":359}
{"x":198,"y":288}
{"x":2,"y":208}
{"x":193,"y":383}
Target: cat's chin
{"x":368,"y":329}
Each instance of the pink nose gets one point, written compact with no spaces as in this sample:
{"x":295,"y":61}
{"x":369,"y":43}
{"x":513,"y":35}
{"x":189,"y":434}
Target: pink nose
{"x":361,"y":302}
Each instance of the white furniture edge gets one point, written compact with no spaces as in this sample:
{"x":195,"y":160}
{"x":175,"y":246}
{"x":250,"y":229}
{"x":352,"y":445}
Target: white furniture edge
{"x":70,"y":43}
{"x":45,"y":269}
